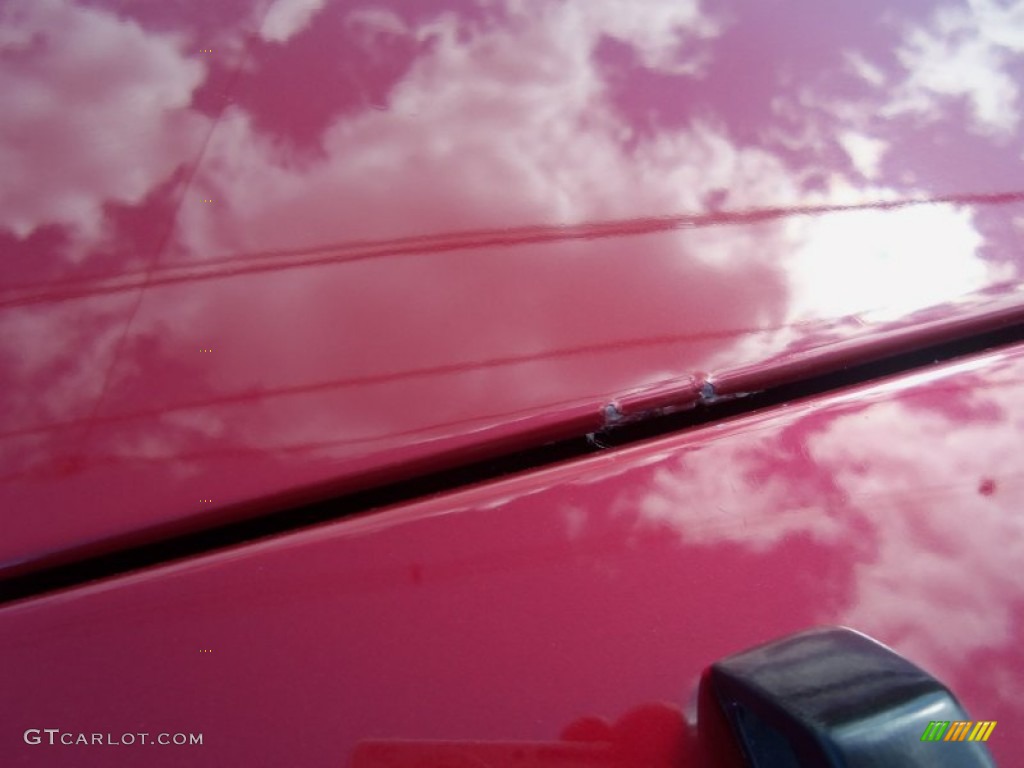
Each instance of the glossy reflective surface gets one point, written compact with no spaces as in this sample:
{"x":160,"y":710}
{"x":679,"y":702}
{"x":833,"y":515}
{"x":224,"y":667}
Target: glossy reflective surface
{"x":520,"y":611}
{"x":305,"y":246}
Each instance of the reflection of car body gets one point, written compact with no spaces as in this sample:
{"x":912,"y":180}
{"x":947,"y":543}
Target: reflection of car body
{"x":268,"y":266}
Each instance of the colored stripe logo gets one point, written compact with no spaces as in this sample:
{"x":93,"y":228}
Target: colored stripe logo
{"x":958,"y":730}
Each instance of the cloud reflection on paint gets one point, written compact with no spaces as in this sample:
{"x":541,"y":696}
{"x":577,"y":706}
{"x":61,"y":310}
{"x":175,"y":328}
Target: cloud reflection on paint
{"x":67,"y":69}
{"x":916,"y":529}
{"x":286,"y":18}
{"x":354,"y":127}
{"x":972,"y":51}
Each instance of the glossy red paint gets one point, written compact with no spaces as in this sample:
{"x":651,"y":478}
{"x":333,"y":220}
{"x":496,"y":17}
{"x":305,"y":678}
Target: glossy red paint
{"x":553,"y":605}
{"x":257,"y":253}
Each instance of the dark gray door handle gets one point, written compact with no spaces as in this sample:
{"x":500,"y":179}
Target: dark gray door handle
{"x":835,"y":697}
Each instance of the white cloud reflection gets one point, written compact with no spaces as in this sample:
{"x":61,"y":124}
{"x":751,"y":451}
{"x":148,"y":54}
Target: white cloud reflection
{"x":919,"y":530}
{"x":965,"y":52}
{"x":69,"y":69}
{"x":709,"y":496}
{"x":883,"y":265}
{"x":286,"y":18}
{"x":931,"y":582}
{"x":494,"y":125}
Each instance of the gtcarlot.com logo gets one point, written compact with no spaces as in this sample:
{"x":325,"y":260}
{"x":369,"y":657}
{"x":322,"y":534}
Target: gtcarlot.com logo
{"x":958,"y":730}
{"x":55,"y":736}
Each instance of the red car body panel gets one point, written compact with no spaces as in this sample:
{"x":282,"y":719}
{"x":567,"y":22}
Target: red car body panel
{"x":518,"y":611}
{"x":257,"y":254}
